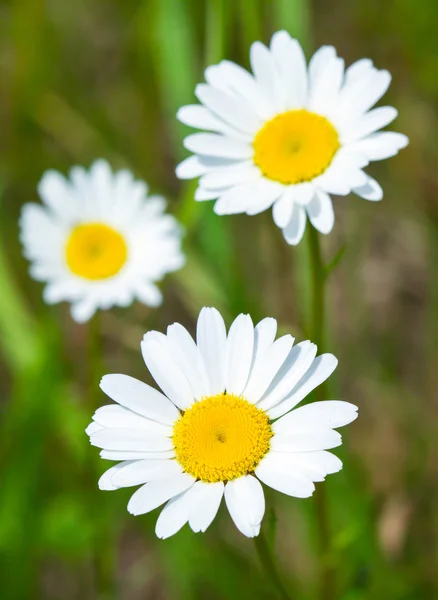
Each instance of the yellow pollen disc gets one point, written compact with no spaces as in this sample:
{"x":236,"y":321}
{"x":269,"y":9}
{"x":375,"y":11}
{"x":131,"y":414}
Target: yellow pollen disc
{"x":221,"y":438}
{"x":295,"y":146}
{"x":95,"y":251}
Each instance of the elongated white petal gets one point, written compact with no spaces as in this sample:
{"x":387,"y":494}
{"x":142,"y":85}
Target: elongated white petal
{"x":291,"y":64}
{"x":240,"y":346}
{"x":320,"y":369}
{"x":130,"y":439}
{"x":231,"y":109}
{"x":174,"y":515}
{"x":311,"y":465}
{"x":267,"y":368}
{"x":246,"y":504}
{"x":327,"y":414}
{"x":320,"y":212}
{"x":186,"y":354}
{"x":114,"y":415}
{"x":105,"y":482}
{"x":205,"y":501}
{"x":211,"y":337}
{"x":166,"y":372}
{"x":274,"y":473}
{"x":371,"y":190}
{"x":283,"y":207}
{"x":293,"y":369}
{"x":153,"y":494}
{"x":294,"y":230}
{"x":212,"y":144}
{"x":133,"y":455}
{"x":141,"y":471}
{"x":369,"y":123}
{"x":307,"y":441}
{"x":140,"y":398}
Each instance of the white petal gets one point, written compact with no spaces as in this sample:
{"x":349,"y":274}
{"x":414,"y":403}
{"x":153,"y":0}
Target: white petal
{"x":234,"y":111}
{"x":212,"y":144}
{"x":92,"y":428}
{"x":275,"y":473}
{"x":263,"y":194}
{"x":190,"y":167}
{"x":133,"y":455}
{"x":57,"y":193}
{"x":264,"y":336}
{"x":379,"y":146}
{"x":283,"y":207}
{"x":370,"y":191}
{"x":240,"y":346}
{"x":114,"y":415}
{"x":312,"y":465}
{"x":166,"y":372}
{"x":294,"y":230}
{"x":326,"y":81}
{"x":130,"y":439}
{"x":321,"y":368}
{"x":317,"y":415}
{"x":141,"y":471}
{"x":246,"y":504}
{"x":291,"y":64}
{"x":234,"y":200}
{"x":153,"y":494}
{"x":240,"y":172}
{"x":174,"y":515}
{"x":295,"y":366}
{"x":266,"y":76}
{"x":139,"y":397}
{"x":307,"y":441}
{"x":368,"y":123}
{"x":186,"y":354}
{"x":205,"y":501}
{"x":105,"y":481}
{"x":267,"y":368}
{"x":320,"y":212}
{"x":211,"y":337}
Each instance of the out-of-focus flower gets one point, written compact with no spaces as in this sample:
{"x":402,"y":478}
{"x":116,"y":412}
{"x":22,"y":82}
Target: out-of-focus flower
{"x":223,"y":423}
{"x":289,"y":135}
{"x":99,"y":240}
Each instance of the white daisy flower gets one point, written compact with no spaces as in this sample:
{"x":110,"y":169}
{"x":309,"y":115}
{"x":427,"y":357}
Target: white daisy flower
{"x":222,"y":424}
{"x":288,"y":135}
{"x":98,"y":240}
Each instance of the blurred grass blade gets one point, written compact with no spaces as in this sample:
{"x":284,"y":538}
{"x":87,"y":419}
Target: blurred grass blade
{"x":294,"y":16}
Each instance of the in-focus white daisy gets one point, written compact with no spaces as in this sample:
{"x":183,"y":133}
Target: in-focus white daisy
{"x":222,"y":424}
{"x":99,"y":240}
{"x":288,"y":135}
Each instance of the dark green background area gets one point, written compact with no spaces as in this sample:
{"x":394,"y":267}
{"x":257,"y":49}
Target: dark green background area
{"x":87,"y":79}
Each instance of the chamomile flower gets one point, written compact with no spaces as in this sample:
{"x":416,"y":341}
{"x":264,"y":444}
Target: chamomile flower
{"x":98,"y":240}
{"x":224,"y":422}
{"x":289,"y":135}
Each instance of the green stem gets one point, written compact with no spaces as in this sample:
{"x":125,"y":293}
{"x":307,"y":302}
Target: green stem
{"x":317,"y":334}
{"x":268,"y":563}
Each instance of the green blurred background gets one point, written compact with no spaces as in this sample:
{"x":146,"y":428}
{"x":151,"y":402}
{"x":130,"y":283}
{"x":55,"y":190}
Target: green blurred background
{"x":88,"y":79}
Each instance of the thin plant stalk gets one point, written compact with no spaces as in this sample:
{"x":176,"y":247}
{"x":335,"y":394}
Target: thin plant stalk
{"x":269,"y":564}
{"x":317,"y":334}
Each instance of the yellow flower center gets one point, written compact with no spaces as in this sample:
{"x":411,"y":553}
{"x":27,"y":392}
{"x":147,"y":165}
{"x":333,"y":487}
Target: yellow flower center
{"x":95,"y":251}
{"x":295,"y":146}
{"x":221,"y":438}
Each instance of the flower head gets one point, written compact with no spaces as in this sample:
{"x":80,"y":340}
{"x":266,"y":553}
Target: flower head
{"x":98,"y":240}
{"x":288,"y":135}
{"x":224,"y":422}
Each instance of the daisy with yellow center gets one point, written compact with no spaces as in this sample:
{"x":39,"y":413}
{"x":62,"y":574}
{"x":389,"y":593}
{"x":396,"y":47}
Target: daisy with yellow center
{"x":99,"y":240}
{"x":288,"y":135}
{"x":224,"y":422}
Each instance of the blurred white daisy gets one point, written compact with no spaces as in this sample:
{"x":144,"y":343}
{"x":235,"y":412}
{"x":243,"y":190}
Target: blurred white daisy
{"x":288,"y":135}
{"x":223,"y":423}
{"x":99,"y":240}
